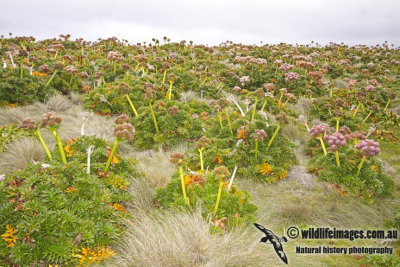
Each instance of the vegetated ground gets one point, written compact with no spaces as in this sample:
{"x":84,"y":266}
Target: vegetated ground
{"x":155,"y":236}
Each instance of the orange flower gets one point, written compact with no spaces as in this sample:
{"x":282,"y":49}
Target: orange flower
{"x":69,"y":151}
{"x":9,"y":237}
{"x":265,"y":168}
{"x":119,"y":207}
{"x":39,"y":74}
{"x":217,"y":160}
{"x":374,"y":168}
{"x":70,"y":189}
{"x":242,"y":133}
{"x":282,"y":175}
{"x":114,"y":159}
{"x":193,"y":179}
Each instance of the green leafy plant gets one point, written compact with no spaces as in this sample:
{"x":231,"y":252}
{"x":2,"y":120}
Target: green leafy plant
{"x":56,"y":210}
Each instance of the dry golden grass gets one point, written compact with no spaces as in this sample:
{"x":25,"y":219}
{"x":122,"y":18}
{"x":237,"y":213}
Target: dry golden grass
{"x":142,"y":193}
{"x":155,"y":165}
{"x":302,"y":106}
{"x":19,"y":153}
{"x":285,"y":202}
{"x":182,"y":239}
{"x":57,"y":103}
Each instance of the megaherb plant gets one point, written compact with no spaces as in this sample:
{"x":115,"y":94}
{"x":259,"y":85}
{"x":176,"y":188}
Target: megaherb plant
{"x":211,"y":190}
{"x":175,"y":120}
{"x":256,"y":151}
{"x":52,"y":213}
{"x":350,"y":162}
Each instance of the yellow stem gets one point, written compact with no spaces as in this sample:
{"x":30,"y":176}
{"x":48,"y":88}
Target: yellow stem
{"x":229,"y":121}
{"x":60,"y":147}
{"x":154,"y":117}
{"x":273,"y":136}
{"x":132,"y":106}
{"x":39,"y":136}
{"x":387,"y":104}
{"x":220,"y":120}
{"x":337,"y":157}
{"x":111,"y":155}
{"x":323,"y":145}
{"x":221,"y":183}
{"x":183,"y":186}
{"x":254,"y":110}
{"x":170,"y":91}
{"x":165,"y":73}
{"x":265,"y":103}
{"x":355,"y":112}
{"x":201,"y":158}
{"x":366,"y":118}
{"x":360,"y":166}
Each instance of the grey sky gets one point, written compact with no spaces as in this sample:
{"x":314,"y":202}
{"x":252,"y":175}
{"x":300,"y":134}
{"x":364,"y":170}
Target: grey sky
{"x":208,"y":22}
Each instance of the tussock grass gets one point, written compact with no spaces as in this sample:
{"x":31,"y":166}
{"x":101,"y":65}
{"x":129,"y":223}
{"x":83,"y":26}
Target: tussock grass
{"x":295,"y":134}
{"x":142,"y":193}
{"x":303,"y":105}
{"x":183,"y":239}
{"x":155,"y":165}
{"x":76,"y":98}
{"x":19,"y":153}
{"x":58,"y":103}
{"x":282,"y":203}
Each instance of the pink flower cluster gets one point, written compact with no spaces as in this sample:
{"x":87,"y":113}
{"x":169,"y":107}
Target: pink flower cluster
{"x":244,"y":80}
{"x":291,"y":77}
{"x":369,"y":147}
{"x":335,"y":140}
{"x":370,"y":88}
{"x":286,"y":67}
{"x":316,"y":130}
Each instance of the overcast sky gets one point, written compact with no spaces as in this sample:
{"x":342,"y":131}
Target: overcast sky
{"x":207,"y":22}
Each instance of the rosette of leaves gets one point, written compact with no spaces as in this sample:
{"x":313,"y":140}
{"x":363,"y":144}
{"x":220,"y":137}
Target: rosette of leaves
{"x":177,"y":122}
{"x":57,"y":209}
{"x":235,"y":205}
{"x":369,"y":183}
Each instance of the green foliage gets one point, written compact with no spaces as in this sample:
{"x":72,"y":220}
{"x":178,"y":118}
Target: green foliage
{"x":230,"y":151}
{"x":16,"y":90}
{"x":371,"y":182}
{"x":50,"y":206}
{"x":234,"y":204}
{"x":173,"y":129}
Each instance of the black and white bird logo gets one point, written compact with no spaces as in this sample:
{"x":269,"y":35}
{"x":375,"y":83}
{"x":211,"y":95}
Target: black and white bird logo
{"x":274,"y":240}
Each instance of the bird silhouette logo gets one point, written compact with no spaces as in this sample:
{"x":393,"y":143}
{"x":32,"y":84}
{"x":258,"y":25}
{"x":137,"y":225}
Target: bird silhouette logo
{"x":274,"y":240}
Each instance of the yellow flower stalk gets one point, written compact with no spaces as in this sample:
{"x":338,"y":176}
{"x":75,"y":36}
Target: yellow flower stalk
{"x":154,"y":117}
{"x":360,"y":166}
{"x":131,"y":104}
{"x":221,"y":183}
{"x":111,"y":155}
{"x":52,"y":76}
{"x":229,"y":121}
{"x":322,"y":145}
{"x":254,"y":109}
{"x":273,"y":136}
{"x":183,"y":185}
